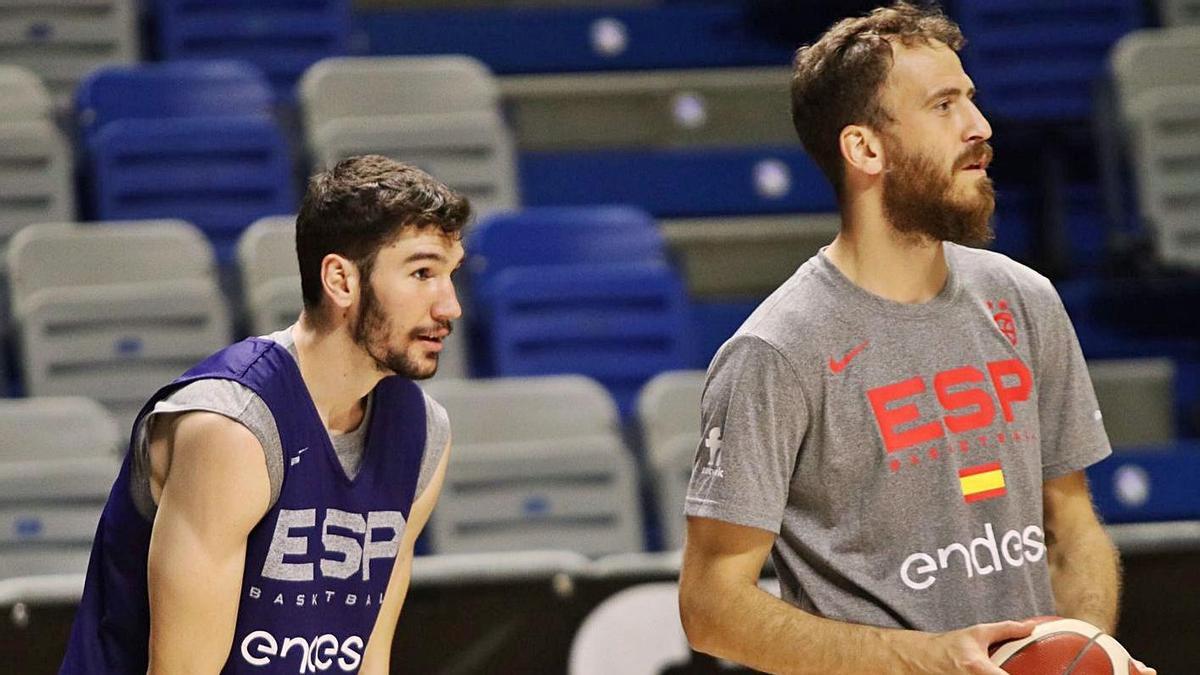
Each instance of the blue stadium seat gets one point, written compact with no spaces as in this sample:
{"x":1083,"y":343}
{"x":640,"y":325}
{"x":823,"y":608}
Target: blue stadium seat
{"x":281,"y":37}
{"x":1036,"y":61}
{"x":715,"y":321}
{"x":576,"y":290}
{"x":195,"y":141}
{"x":561,"y":236}
{"x":576,"y":39}
{"x":1148,"y":484}
{"x":679,"y":183}
{"x":1130,"y":318}
{"x":620,"y":323}
{"x":170,"y":90}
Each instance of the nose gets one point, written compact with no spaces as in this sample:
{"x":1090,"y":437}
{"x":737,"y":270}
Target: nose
{"x":978,"y":128}
{"x":447,"y":307}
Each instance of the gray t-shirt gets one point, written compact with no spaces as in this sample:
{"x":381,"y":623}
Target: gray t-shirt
{"x":899,"y":450}
{"x":242,"y":405}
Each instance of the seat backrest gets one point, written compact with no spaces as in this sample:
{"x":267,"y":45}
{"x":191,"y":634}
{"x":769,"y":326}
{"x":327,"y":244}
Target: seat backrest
{"x":1018,"y":50}
{"x":22,"y":95}
{"x":618,"y":323}
{"x":538,"y":463}
{"x":170,"y":90}
{"x":561,"y":236}
{"x":51,"y":428}
{"x":350,"y":87}
{"x":1166,"y":126}
{"x":1137,"y":400}
{"x":470,"y":151}
{"x":36,"y":175}
{"x":1180,"y":12}
{"x":56,"y":255}
{"x":267,"y":251}
{"x":1154,"y":57}
{"x":281,"y":38}
{"x":636,"y":630}
{"x":669,"y":405}
{"x":219,"y":173}
{"x":64,"y":40}
{"x":514,"y":409}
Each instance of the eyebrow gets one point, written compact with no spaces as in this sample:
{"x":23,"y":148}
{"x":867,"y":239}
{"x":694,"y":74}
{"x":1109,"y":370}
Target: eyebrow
{"x":425,"y":255}
{"x":949,"y":91}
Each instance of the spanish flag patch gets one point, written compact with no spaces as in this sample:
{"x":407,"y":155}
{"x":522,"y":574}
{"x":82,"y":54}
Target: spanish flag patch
{"x":982,"y":482}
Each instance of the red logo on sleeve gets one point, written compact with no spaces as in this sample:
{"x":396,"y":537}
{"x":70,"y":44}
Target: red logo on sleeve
{"x":1004,"y":320}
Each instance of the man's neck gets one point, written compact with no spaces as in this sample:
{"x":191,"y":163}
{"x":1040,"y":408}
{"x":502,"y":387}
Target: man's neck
{"x":337,"y":372}
{"x":870,"y":253}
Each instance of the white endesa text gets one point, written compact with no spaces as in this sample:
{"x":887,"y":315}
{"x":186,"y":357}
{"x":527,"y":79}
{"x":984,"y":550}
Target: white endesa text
{"x":982,"y":555}
{"x":319,"y":654}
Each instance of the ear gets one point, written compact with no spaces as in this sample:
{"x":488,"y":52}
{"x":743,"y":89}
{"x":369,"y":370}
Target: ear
{"x":862,"y":150}
{"x":340,"y":281}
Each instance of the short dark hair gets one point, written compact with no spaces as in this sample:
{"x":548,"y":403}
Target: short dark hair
{"x":837,"y":80}
{"x":363,"y":204}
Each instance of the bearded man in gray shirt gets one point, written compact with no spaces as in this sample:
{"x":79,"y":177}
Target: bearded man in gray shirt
{"x":905,"y":422}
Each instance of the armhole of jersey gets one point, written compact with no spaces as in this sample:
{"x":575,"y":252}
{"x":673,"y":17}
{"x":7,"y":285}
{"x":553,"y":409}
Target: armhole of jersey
{"x":267,"y":434}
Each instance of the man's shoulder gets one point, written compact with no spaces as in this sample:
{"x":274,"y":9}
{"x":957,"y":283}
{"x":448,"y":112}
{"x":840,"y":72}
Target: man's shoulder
{"x":993,"y":271}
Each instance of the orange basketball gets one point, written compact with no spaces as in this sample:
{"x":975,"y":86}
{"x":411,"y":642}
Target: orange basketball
{"x":1064,"y":647}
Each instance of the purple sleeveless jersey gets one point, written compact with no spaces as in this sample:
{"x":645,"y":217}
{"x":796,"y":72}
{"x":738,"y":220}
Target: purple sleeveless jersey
{"x":317,"y":564}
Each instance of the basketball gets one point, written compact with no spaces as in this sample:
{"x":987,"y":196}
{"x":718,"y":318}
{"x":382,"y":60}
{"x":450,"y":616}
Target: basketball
{"x":1064,"y":647}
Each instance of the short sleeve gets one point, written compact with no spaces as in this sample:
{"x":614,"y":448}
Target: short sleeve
{"x":1072,"y":428}
{"x":754,"y":418}
{"x":437,"y":434}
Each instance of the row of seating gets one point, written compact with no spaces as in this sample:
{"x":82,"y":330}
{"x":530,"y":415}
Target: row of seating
{"x":197,"y":141}
{"x":540,"y":463}
{"x":594,"y":291}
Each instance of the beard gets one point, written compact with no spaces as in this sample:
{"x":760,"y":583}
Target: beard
{"x":920,"y":202}
{"x":371,"y":332}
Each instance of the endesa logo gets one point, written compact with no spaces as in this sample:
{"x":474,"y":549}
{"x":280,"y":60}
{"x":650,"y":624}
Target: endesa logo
{"x":966,"y":396}
{"x":319,"y":654}
{"x":982,"y":555}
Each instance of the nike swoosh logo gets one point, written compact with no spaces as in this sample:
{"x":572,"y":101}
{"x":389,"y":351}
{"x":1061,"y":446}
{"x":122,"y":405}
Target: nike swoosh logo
{"x":839,"y":366}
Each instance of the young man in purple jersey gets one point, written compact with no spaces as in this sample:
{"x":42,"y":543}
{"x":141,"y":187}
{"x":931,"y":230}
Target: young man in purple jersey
{"x":265,"y":515}
{"x":905,"y":422}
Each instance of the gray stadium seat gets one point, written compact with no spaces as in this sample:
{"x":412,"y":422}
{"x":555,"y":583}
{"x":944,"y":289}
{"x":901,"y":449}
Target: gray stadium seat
{"x":113,"y":310}
{"x":1154,"y":57}
{"x":1166,"y":126}
{"x":1180,"y":12}
{"x":270,"y":277}
{"x":35,"y":175}
{"x":1137,"y":400}
{"x":1158,"y":92}
{"x":64,"y":40}
{"x":745,"y":256}
{"x":22,"y":95}
{"x":668,"y":411}
{"x":58,"y":461}
{"x":740,"y":106}
{"x":439,"y":113}
{"x":537,"y":463}
{"x":57,"y":428}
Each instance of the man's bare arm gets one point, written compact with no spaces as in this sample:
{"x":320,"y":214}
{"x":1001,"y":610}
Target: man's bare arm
{"x":377,"y":657}
{"x":215,"y":491}
{"x":1084,"y":565}
{"x":726,"y":614}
